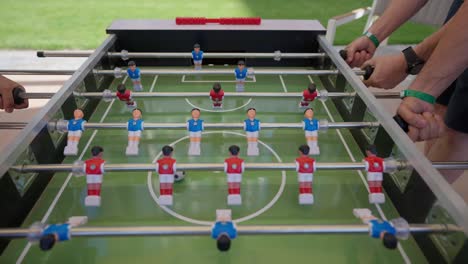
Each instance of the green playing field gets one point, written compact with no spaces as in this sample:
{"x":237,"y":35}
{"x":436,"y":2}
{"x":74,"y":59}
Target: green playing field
{"x":269,"y":197}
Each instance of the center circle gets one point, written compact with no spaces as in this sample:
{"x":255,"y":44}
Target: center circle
{"x":202,"y":222}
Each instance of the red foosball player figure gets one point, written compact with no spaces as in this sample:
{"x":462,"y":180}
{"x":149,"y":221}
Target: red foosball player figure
{"x":308,"y":95}
{"x":305,"y":167}
{"x":234,"y":167}
{"x":94,"y":168}
{"x":166,"y":168}
{"x":125,"y":96}
{"x":217,"y":96}
{"x":375,"y":167}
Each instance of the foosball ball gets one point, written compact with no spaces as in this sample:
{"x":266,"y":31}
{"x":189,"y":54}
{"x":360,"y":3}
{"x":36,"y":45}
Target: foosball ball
{"x":179,"y":135}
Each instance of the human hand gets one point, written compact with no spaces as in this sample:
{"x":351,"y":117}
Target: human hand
{"x":6,"y":95}
{"x":388,"y":72}
{"x":423,"y":124}
{"x":359,"y":51}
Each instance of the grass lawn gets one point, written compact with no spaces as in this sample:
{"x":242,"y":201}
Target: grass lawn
{"x":70,"y":24}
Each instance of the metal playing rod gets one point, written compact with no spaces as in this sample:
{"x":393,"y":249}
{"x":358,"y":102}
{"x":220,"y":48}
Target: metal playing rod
{"x":124,"y":231}
{"x":228,"y":72}
{"x":88,"y":125}
{"x":391,"y":165}
{"x":178,"y":72}
{"x":13,"y":125}
{"x":61,"y":124}
{"x":186,"y":55}
{"x":228,"y":125}
{"x":36,"y":72}
{"x":381,"y":95}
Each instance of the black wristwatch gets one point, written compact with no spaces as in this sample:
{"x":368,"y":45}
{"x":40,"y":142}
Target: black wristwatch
{"x":413,"y":62}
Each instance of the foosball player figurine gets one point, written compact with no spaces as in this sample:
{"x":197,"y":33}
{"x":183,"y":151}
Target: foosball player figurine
{"x":305,"y":167}
{"x":134,"y":74}
{"x":94,"y":168}
{"x":166,"y":168}
{"x":308,"y":95}
{"x":134,"y":126}
{"x":217,"y":96}
{"x":223,"y":230}
{"x":195,"y":128}
{"x":375,"y":167}
{"x":311,"y":127}
{"x":251,"y":128}
{"x":54,"y":233}
{"x":125,"y":96}
{"x":241,"y":74}
{"x":197,"y":56}
{"x":75,"y":129}
{"x":388,"y":231}
{"x":234,"y":167}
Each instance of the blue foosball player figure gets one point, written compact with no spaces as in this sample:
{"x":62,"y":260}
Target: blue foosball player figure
{"x":134,"y":74}
{"x":252,"y":127}
{"x":195,"y":128}
{"x":134,"y":126}
{"x":311,"y":127}
{"x":49,"y":235}
{"x":223,"y":230}
{"x":241,"y":73}
{"x":388,"y":231}
{"x":75,"y":128}
{"x":197,"y":56}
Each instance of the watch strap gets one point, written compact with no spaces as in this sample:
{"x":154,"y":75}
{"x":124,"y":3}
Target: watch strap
{"x":418,"y":94}
{"x":412,"y":60}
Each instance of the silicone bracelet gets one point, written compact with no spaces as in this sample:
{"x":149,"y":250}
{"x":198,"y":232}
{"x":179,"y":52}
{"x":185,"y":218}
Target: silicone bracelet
{"x":418,"y":94}
{"x":373,"y":38}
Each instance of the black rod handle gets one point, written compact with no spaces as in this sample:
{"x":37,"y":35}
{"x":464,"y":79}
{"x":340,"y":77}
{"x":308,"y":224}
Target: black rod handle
{"x":368,"y":70}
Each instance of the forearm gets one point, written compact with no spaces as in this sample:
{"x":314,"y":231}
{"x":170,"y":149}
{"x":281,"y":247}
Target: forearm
{"x":427,"y":46}
{"x":397,"y":13}
{"x":449,"y":58}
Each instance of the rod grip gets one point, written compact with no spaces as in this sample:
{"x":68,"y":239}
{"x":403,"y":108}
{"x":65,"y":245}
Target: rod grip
{"x":40,"y":54}
{"x":368,"y":70}
{"x":17,"y":91}
{"x":401,"y":122}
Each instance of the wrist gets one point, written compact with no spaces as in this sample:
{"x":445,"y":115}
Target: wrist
{"x":414,"y":63}
{"x":421,"y":52}
{"x":373,"y":38}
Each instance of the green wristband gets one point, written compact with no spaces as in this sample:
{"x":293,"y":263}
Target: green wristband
{"x":418,"y":94}
{"x":373,"y":38}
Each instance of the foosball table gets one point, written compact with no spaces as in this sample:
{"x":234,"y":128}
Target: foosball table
{"x":176,"y":132}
